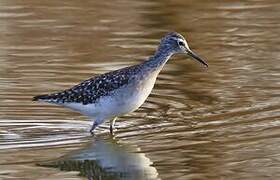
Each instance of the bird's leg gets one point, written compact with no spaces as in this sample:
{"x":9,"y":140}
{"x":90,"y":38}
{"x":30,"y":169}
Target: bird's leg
{"x":112,"y":124}
{"x":94,"y":125}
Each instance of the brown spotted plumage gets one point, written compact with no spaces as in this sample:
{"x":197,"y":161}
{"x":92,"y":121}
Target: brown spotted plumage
{"x":90,"y":90}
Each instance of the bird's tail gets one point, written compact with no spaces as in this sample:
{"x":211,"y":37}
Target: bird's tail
{"x":45,"y":97}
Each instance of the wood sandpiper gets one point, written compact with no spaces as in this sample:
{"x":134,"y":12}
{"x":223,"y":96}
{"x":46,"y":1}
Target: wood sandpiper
{"x":113,"y":94}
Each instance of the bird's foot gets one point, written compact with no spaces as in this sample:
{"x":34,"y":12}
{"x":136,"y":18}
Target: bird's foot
{"x":91,"y":132}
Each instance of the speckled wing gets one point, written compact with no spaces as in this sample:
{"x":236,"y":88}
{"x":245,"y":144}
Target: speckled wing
{"x":89,"y":91}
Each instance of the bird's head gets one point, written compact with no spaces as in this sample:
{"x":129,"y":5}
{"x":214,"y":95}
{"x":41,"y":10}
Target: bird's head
{"x":176,"y":43}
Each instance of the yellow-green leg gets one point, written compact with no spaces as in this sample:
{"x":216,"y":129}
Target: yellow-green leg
{"x":112,"y":124}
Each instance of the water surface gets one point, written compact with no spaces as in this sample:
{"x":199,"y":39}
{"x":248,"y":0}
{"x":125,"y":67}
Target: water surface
{"x":217,"y":123}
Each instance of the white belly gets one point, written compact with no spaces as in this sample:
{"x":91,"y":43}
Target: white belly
{"x":122,"y":101}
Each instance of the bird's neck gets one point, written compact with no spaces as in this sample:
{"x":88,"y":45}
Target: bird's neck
{"x":158,"y":60}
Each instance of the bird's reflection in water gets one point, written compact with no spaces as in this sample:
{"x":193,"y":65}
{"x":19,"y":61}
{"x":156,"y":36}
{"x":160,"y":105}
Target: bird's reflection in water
{"x":107,"y":159}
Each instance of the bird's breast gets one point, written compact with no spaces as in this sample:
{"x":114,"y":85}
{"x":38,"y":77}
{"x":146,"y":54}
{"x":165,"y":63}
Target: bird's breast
{"x":131,"y":96}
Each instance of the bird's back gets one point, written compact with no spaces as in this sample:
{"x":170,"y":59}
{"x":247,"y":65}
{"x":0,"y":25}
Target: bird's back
{"x":91,"y":90}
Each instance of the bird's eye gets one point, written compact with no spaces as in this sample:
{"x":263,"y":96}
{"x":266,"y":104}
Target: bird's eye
{"x":181,"y":43}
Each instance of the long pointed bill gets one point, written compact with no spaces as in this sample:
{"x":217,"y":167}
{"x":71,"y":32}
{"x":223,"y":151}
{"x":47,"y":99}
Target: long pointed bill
{"x":196,"y":57}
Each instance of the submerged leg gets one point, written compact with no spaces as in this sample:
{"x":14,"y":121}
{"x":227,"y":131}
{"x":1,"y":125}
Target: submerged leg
{"x":96,"y":122}
{"x":94,"y":125}
{"x":112,"y":124}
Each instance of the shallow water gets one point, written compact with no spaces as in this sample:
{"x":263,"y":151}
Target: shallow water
{"x":217,"y":123}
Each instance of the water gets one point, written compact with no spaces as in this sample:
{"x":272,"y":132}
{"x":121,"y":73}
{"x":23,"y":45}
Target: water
{"x":217,"y":123}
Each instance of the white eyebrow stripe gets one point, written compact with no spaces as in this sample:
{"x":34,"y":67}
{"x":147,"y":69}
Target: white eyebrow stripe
{"x":181,"y":40}
{"x":185,"y":43}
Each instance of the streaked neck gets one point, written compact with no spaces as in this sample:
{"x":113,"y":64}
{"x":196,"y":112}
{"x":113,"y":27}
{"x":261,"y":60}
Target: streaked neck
{"x":158,"y":60}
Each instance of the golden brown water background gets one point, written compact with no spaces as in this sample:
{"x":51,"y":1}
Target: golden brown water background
{"x":217,"y":123}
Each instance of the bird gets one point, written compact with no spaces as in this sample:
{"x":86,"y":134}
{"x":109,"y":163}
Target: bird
{"x":105,"y":97}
